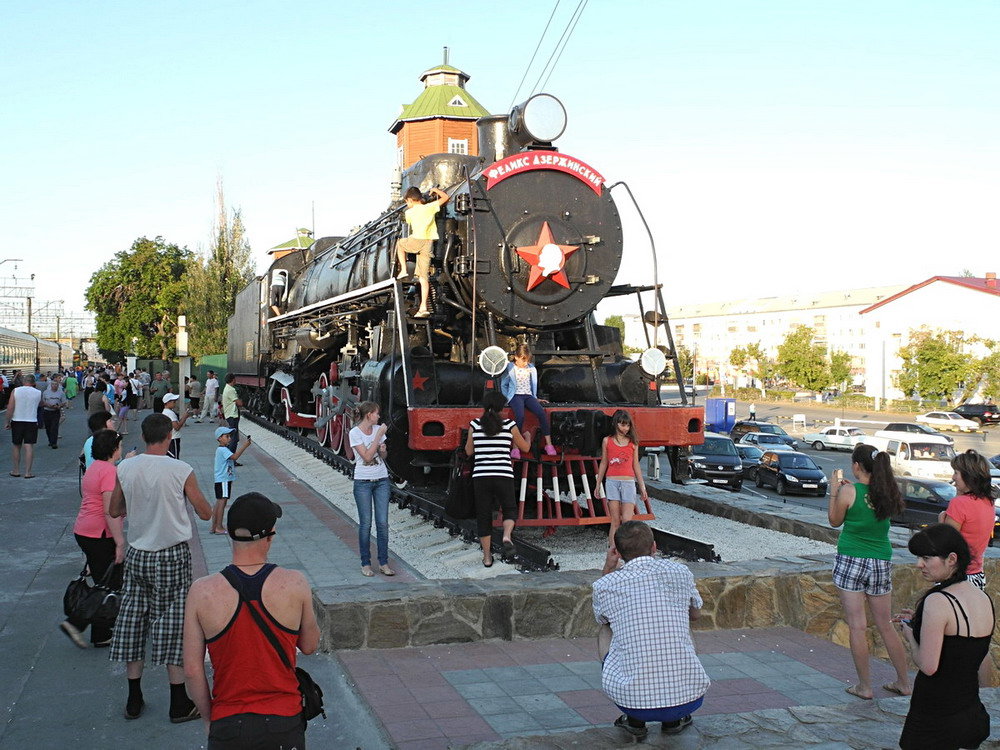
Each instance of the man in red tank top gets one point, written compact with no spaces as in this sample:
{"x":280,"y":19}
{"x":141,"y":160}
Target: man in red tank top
{"x":254,"y":695}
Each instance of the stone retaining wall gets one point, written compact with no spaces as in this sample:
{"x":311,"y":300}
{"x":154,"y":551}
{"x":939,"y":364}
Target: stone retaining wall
{"x":793,"y":592}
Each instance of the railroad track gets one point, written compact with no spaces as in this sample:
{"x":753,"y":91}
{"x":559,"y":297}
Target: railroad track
{"x":428,"y":503}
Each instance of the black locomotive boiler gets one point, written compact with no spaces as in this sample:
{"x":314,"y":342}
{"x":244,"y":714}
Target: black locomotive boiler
{"x":530,"y":243}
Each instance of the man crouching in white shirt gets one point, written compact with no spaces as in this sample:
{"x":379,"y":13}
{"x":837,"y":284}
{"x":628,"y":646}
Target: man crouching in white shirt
{"x":645,"y":607}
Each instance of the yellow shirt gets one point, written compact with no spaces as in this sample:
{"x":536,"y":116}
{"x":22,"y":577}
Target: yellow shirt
{"x":421,"y":221}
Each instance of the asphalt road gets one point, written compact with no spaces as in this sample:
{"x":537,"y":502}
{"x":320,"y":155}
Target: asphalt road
{"x":817,"y":417}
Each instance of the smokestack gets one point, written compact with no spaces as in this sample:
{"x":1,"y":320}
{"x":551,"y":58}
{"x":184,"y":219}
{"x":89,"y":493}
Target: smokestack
{"x":991,"y":280}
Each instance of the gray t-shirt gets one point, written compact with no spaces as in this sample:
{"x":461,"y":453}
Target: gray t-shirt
{"x":154,"y":498}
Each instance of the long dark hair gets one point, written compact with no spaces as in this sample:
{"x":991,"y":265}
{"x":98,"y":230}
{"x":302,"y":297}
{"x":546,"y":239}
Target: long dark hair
{"x":940,"y":540}
{"x":622,"y":417}
{"x":883,"y":492}
{"x":975,"y":471}
{"x":493,"y":404}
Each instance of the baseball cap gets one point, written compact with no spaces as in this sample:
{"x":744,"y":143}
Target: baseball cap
{"x":168,"y":397}
{"x":220,"y":431}
{"x":255,"y":513}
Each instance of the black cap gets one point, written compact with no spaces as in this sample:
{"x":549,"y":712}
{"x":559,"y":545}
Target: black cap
{"x":255,"y":513}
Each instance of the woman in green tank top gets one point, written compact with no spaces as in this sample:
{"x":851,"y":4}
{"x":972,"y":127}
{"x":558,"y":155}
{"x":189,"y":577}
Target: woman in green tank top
{"x":863,"y":571}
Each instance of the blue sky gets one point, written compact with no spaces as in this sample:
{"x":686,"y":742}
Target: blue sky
{"x":770,"y":144}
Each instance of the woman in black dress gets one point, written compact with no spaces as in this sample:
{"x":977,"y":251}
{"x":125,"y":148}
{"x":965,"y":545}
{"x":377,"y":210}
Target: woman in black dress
{"x":949,"y":636}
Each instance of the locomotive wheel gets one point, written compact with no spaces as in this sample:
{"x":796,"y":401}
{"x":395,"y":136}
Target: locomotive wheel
{"x":346,"y":450}
{"x":336,"y":433}
{"x":322,"y":433}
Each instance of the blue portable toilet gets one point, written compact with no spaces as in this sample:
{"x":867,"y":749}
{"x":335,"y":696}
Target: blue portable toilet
{"x":720,"y":414}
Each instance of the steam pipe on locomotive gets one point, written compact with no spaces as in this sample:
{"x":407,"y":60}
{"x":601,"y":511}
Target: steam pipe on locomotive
{"x":531,"y":242}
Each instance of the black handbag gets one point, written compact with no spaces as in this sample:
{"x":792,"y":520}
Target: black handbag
{"x":460,"y":503}
{"x":312,"y":694}
{"x":95,"y":605}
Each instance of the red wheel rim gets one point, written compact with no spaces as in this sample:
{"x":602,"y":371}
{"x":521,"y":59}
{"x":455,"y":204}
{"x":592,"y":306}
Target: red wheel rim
{"x":322,"y":433}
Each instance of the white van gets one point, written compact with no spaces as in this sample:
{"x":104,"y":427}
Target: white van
{"x":915,"y":455}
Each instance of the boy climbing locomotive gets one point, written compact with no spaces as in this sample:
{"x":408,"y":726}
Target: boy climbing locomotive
{"x":423,"y":232}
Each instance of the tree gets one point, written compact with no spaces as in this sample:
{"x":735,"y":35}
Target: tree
{"x":989,"y":367}
{"x":136,"y":297}
{"x":802,"y":361}
{"x":840,"y":368}
{"x":686,"y":359}
{"x":934,"y":364}
{"x":214,"y":279}
{"x":752,"y":359}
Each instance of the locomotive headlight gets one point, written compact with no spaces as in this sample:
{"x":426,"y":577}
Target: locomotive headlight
{"x":653,"y":362}
{"x":493,"y":360}
{"x":541,"y":118}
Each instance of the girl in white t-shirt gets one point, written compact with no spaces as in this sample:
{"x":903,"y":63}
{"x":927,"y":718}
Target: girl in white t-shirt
{"x":371,"y":486}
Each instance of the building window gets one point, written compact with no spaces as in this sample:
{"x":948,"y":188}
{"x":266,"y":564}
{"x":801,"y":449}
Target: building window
{"x":696,"y":328}
{"x":399,"y":156}
{"x":458,"y":145}
{"x":457,"y":101}
{"x":751,"y":329}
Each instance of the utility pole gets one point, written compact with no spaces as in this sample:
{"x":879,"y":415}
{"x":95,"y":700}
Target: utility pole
{"x":29,"y":316}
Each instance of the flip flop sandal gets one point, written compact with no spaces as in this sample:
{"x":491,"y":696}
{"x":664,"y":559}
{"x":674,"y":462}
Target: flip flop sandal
{"x":853,"y":690}
{"x":892,"y":687}
{"x":14,"y":475}
{"x":367,"y":572}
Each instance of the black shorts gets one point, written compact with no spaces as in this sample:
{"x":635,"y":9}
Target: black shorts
{"x":491,"y":493}
{"x":257,"y":730}
{"x":223,"y":490}
{"x":195,"y":403}
{"x":24,"y":433}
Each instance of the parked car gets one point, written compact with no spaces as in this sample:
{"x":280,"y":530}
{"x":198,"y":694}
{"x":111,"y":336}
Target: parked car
{"x":948,"y":420}
{"x":979,"y":413}
{"x":917,"y":455}
{"x":750,"y":456}
{"x":924,"y":499}
{"x":766,"y":441}
{"x":906,"y":430}
{"x":790,"y":471}
{"x":835,"y":437}
{"x":716,"y":461}
{"x":742,"y":428}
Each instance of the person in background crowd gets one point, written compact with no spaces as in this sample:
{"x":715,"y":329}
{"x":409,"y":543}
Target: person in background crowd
{"x":644,"y":608}
{"x":123,"y":400}
{"x":371,"y":486}
{"x":254,"y":700}
{"x":144,"y":381}
{"x":22,"y":421}
{"x":98,"y":399}
{"x":490,"y":440}
{"x":102,"y":420}
{"x":211,"y":396}
{"x":949,"y":636}
{"x":153,"y":487}
{"x":89,"y":380}
{"x":863,"y":569}
{"x":158,"y":388}
{"x":101,"y":537}
{"x":231,"y":405}
{"x":53,"y":404}
{"x":70,"y":386}
{"x":225,"y":475}
{"x":169,"y":400}
{"x":194,"y":393}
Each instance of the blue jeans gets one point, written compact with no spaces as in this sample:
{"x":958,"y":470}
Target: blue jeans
{"x":519,"y":402}
{"x":368,"y":493}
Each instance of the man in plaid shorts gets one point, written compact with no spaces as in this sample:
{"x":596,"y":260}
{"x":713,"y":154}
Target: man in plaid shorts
{"x":152,"y":488}
{"x":645,"y":607}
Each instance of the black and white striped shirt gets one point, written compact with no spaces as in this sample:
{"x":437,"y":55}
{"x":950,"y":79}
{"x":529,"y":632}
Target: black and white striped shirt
{"x":492,"y":452}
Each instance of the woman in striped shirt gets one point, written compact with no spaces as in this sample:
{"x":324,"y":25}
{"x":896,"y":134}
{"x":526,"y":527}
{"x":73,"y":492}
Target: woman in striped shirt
{"x":490,"y":440}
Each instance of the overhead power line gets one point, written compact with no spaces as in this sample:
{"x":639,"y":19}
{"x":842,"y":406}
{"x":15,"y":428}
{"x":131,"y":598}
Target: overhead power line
{"x":560,"y":46}
{"x":533,"y":55}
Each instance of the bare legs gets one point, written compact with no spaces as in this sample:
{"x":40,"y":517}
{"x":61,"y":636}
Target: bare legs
{"x":620,"y":513}
{"x":854,"y":613}
{"x":29,"y":458}
{"x":486,"y":542}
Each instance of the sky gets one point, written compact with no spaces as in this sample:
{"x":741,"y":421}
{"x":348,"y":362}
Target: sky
{"x":770,"y":145}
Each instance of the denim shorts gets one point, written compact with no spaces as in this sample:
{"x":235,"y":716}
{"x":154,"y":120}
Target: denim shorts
{"x":867,"y":574}
{"x":622,"y":490}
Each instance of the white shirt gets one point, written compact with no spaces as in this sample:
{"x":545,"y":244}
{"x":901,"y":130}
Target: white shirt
{"x":26,"y":400}
{"x":652,"y":662}
{"x":377,"y":469}
{"x":211,"y":388}
{"x":154,"y":498}
{"x":169,"y":413}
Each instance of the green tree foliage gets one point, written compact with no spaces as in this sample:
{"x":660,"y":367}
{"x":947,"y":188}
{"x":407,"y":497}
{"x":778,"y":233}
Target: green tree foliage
{"x":802,"y":361}
{"x":753,"y":360}
{"x":934,"y":364}
{"x":214,"y":279}
{"x":137,"y":295}
{"x":840,"y":368}
{"x":989,"y":369}
{"x":686,"y":359}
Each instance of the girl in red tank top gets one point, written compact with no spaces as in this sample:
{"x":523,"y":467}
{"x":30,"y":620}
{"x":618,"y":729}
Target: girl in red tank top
{"x":620,"y":465}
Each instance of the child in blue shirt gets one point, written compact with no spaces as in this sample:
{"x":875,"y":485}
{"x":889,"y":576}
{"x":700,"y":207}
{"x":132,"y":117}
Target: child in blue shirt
{"x":225,"y":475}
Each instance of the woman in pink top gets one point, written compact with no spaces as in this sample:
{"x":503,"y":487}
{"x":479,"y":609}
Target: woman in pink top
{"x":971,"y":511}
{"x":100,"y":536}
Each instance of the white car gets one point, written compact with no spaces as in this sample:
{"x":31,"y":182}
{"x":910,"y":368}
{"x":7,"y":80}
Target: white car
{"x":835,"y":437}
{"x":767,"y":442}
{"x":948,"y":420}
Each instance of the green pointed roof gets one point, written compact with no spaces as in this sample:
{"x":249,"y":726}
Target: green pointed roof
{"x":441,"y":98}
{"x":302,"y":240}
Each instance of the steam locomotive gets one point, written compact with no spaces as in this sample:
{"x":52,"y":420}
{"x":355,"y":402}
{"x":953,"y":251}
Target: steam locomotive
{"x":530,"y":243}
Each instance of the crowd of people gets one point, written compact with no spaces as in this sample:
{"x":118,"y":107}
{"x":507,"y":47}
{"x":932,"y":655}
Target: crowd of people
{"x":643,"y":603}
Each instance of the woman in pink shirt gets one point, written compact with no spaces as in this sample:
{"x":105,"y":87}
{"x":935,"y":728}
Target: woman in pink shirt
{"x":971,"y":511}
{"x":100,"y":536}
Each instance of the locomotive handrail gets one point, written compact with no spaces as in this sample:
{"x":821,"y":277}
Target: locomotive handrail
{"x":356,"y":294}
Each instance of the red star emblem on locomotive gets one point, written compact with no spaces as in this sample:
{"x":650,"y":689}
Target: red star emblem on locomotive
{"x":547,"y":259}
{"x":418,"y":381}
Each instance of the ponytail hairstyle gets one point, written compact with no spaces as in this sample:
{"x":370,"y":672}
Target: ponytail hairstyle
{"x":363,"y":409}
{"x":975,"y":472}
{"x":493,"y":404}
{"x":622,"y":417}
{"x":883,"y":492}
{"x":940,"y":540}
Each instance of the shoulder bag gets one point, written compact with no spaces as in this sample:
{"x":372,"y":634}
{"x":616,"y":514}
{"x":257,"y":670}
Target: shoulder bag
{"x":96,"y":605}
{"x":312,"y":694}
